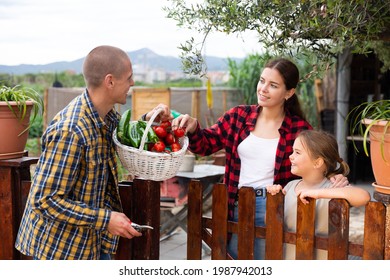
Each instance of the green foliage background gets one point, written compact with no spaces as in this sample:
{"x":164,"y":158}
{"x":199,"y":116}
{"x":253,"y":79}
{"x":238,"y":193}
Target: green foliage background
{"x":319,"y":29}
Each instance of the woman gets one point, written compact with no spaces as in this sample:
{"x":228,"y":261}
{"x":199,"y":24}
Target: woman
{"x":258,"y":140}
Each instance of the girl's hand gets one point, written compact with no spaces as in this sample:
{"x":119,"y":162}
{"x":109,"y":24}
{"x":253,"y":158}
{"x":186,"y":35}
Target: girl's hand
{"x":274,"y":189}
{"x":312,"y":193}
{"x":339,"y":181}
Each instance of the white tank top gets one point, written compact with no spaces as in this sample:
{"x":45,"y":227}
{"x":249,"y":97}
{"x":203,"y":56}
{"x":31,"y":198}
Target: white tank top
{"x":257,"y":161}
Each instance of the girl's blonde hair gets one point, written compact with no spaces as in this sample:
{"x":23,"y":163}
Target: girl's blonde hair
{"x":321,"y":144}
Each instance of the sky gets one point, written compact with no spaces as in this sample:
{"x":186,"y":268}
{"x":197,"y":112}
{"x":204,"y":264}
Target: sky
{"x":45,"y":31}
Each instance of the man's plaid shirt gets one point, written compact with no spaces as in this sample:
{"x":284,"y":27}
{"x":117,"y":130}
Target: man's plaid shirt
{"x":74,"y":188}
{"x":231,"y":129}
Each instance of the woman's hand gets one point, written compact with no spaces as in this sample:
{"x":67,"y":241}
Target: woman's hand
{"x":274,"y":189}
{"x":185,"y":121}
{"x":339,"y":181}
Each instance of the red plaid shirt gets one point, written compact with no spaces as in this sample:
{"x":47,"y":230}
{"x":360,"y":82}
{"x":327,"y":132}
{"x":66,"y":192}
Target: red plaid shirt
{"x":231,"y":129}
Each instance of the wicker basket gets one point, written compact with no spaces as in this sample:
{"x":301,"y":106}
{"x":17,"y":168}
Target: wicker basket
{"x":150,"y":165}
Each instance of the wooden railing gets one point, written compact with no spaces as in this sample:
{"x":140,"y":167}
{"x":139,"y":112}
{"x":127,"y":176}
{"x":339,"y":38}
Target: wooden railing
{"x":215,"y":231}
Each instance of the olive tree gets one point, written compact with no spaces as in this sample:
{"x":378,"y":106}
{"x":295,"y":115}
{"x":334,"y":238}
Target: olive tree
{"x":318,"y":29}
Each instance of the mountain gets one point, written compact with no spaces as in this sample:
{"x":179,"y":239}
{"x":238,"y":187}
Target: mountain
{"x":142,"y":57}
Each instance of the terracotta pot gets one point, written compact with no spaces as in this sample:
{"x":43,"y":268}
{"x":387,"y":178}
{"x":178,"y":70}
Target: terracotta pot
{"x":380,"y":164}
{"x":12,"y":140}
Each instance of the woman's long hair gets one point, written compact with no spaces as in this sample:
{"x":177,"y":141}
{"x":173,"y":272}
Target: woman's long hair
{"x":290,"y":74}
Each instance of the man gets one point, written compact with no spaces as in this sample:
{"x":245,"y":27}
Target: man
{"x":74,"y":210}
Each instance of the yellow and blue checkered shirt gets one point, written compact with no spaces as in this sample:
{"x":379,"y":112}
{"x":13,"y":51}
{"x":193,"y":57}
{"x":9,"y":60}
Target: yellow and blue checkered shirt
{"x":74,"y":188}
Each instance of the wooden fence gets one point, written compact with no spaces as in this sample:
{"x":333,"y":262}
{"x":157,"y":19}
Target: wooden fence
{"x":140,"y":201}
{"x":214,"y":231}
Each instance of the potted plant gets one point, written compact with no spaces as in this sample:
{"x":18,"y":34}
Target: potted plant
{"x":16,"y":105}
{"x":371,"y":120}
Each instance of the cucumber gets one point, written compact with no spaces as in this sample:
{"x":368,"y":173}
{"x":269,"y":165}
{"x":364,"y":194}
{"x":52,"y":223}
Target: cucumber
{"x":123,"y":125}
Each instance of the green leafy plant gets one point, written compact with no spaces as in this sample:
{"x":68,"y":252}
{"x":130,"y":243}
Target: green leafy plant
{"x":320,"y":29}
{"x":376,"y":111}
{"x":21,"y":95}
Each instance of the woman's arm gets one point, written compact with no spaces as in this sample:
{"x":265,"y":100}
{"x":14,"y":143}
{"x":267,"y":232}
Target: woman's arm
{"x":354,"y":195}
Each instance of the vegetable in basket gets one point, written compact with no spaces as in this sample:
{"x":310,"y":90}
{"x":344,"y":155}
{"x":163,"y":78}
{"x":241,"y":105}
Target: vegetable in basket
{"x":123,"y":127}
{"x":160,"y":138}
{"x":135,"y":133}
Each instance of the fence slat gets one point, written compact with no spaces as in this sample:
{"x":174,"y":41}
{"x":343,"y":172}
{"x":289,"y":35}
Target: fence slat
{"x":146,"y":205}
{"x":274,"y":230}
{"x":338,"y":229}
{"x":374,"y":231}
{"x":219,"y":228}
{"x":305,"y":230}
{"x":246,"y":223}
{"x":194,"y":221}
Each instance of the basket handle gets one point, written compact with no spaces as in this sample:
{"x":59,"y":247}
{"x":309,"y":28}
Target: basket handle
{"x":149,"y":124}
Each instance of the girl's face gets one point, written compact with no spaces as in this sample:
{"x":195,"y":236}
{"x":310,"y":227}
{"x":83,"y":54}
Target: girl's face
{"x":271,"y":90}
{"x":301,"y":161}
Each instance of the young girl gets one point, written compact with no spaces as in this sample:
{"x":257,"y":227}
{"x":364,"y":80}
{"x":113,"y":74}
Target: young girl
{"x":315,"y":159}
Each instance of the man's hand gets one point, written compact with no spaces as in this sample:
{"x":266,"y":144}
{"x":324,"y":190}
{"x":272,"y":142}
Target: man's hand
{"x":164,"y":115}
{"x":120,"y":225}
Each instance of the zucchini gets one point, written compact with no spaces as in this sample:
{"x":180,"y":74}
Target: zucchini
{"x":123,"y":125}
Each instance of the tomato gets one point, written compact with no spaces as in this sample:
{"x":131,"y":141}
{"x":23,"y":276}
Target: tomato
{"x":175,"y":147}
{"x":167,"y":125}
{"x":150,"y":146}
{"x":159,"y":147}
{"x":179,"y":132}
{"x":169,"y":139}
{"x":160,"y":132}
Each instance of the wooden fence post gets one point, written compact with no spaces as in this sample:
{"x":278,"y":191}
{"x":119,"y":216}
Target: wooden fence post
{"x":219,"y":222}
{"x":376,"y":232}
{"x":338,"y":238}
{"x":246,"y":223}
{"x":194,"y":220}
{"x":385,"y":199}
{"x":146,"y":211}
{"x":141,"y":203}
{"x":274,"y":230}
{"x":195,"y":110}
{"x":305,"y":230}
